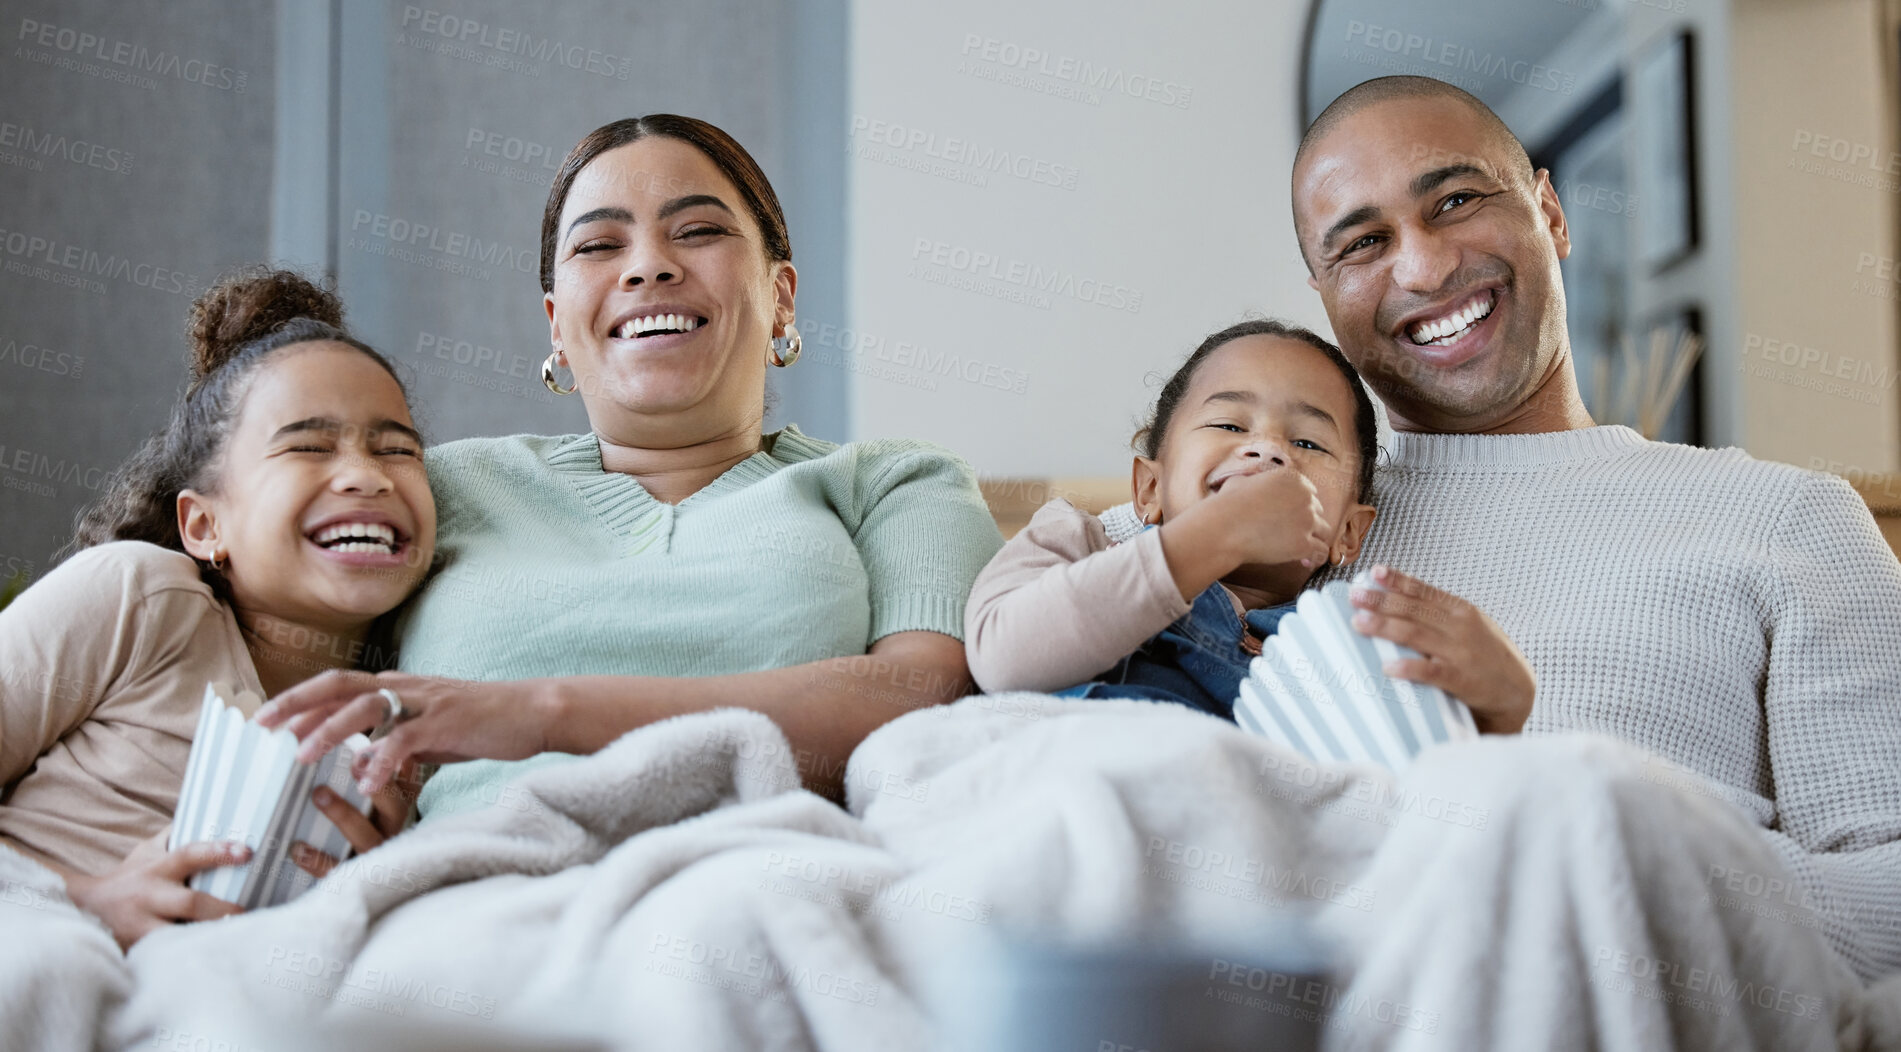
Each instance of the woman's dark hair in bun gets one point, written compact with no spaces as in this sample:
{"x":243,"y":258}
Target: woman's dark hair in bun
{"x":234,"y":327}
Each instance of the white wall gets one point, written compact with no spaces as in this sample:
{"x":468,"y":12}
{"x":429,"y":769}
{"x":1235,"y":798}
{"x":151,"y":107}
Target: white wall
{"x":1816,"y":170}
{"x":1187,"y":206}
{"x":1176,"y":213}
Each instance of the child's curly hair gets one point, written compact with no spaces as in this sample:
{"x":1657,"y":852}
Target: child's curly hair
{"x":232,"y":329}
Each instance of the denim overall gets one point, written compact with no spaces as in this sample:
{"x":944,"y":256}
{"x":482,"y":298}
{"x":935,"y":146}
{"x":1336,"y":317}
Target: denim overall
{"x":1197,"y":661}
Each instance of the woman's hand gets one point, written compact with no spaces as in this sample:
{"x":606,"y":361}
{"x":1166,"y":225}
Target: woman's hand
{"x":1462,"y":652}
{"x":443,"y":721}
{"x":389,"y":813}
{"x":148,"y":889}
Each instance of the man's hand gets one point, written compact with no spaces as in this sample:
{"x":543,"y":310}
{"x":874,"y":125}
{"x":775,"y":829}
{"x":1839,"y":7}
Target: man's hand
{"x":1462,"y":652}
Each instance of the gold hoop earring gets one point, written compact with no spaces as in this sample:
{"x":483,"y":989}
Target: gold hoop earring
{"x":547,"y":376}
{"x":219,"y":559}
{"x":784,"y":350}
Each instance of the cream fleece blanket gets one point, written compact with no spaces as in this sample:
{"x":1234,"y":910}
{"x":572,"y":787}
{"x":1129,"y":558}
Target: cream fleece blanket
{"x":678,"y":890}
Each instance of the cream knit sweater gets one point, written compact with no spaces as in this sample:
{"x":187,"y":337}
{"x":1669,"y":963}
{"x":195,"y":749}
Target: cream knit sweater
{"x":1738,"y":617}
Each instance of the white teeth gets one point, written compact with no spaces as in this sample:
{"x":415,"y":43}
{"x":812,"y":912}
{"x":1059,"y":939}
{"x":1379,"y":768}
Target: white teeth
{"x":636,"y":327}
{"x":366,"y":537}
{"x":1455,"y":323}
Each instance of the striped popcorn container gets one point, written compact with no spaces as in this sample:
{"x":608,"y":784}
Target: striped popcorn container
{"x":1319,"y":689}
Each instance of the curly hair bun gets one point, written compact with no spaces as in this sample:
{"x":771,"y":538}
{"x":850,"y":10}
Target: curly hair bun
{"x":250,"y":305}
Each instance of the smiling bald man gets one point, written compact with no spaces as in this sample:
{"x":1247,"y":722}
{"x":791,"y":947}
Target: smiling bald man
{"x":1435,"y":247}
{"x":1739,"y":617}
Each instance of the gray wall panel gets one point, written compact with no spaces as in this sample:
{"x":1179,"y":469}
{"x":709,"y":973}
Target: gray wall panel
{"x":103,"y":250}
{"x":135,"y":165}
{"x":457,"y":123}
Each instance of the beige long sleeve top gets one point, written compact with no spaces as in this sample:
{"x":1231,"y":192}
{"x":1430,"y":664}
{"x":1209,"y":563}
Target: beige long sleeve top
{"x":1060,"y":603}
{"x":103,"y":666}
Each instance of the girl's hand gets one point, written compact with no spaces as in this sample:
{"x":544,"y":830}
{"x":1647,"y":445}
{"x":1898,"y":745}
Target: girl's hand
{"x":444,"y":720}
{"x":1273,"y":516}
{"x":148,"y":889}
{"x":1462,"y":652}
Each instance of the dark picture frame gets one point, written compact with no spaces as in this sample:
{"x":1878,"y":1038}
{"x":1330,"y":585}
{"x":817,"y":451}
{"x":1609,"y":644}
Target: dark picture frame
{"x":1662,"y":88}
{"x":1685,"y":423}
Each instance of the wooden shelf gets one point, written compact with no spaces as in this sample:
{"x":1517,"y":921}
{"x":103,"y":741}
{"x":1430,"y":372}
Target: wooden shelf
{"x":1882,"y":492}
{"x":1013,"y":500}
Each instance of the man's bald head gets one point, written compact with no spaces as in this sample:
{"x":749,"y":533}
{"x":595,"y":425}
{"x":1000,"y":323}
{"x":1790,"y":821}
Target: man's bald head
{"x":1505,"y":155}
{"x":1436,"y":247}
{"x":1387,"y":89}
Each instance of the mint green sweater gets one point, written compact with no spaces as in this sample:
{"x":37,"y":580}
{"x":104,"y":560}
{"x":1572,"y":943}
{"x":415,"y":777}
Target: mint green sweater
{"x":806,"y":550}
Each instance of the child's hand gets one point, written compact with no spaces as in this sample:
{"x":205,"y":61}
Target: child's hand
{"x":1273,"y":516}
{"x":148,"y":889}
{"x":1462,"y":652}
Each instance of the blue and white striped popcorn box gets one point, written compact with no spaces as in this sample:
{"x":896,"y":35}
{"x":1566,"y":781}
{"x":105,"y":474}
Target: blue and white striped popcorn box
{"x":244,"y":783}
{"x":1318,"y":688}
